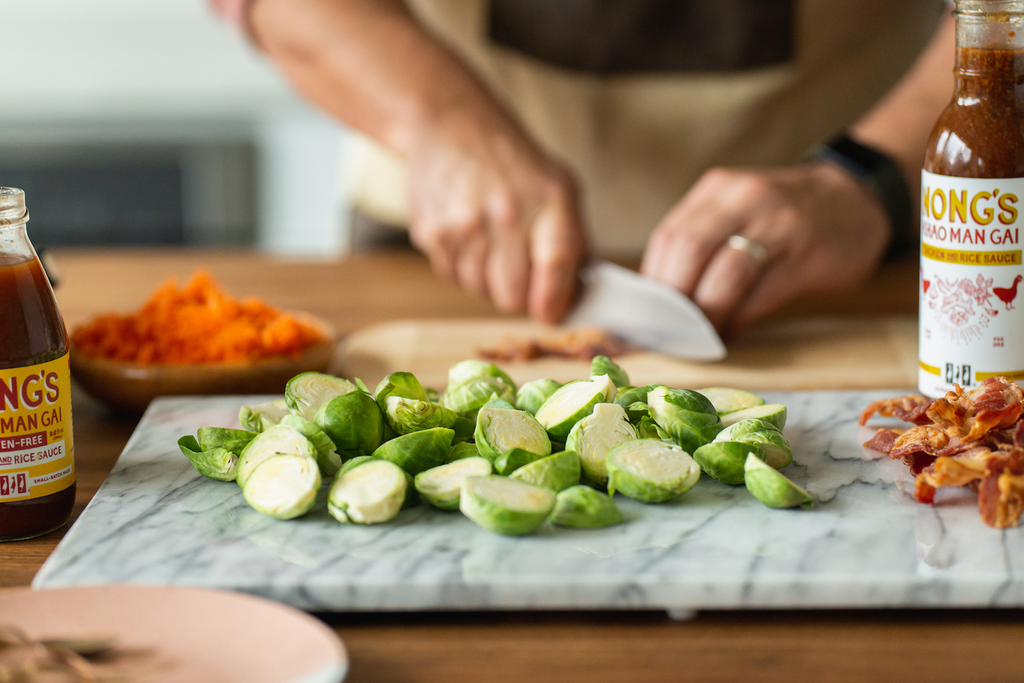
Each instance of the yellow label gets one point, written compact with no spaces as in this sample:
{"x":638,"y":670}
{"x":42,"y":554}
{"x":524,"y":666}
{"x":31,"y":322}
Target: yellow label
{"x":972,"y":258}
{"x":930,"y":369}
{"x":36,"y":446}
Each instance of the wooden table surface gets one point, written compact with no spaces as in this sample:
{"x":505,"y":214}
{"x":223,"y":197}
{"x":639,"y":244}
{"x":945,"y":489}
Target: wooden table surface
{"x":904,"y":645}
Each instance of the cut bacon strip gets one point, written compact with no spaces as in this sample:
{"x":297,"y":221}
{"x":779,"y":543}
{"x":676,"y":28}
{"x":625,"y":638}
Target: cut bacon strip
{"x":909,"y":408}
{"x":994,"y":404}
{"x":1001,"y":494}
{"x":956,"y":470}
{"x":919,"y":446}
{"x":883,"y":440}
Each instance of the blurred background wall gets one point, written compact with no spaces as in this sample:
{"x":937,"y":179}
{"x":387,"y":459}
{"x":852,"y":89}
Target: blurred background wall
{"x":151,"y":122}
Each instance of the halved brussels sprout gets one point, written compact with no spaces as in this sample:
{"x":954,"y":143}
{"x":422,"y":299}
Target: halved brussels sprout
{"x":603,"y":365}
{"x":772,"y":412}
{"x":723,"y":460}
{"x":407,"y":415}
{"x":726,"y":400}
{"x":771,"y":443}
{"x":372,"y":492}
{"x":772,"y":488}
{"x":582,"y":507}
{"x":532,"y":395}
{"x":555,"y":472}
{"x":418,"y":451}
{"x":278,"y":440}
{"x":573,"y":402}
{"x":402,"y":384}
{"x":510,"y":461}
{"x":592,"y":436}
{"x":461,"y":451}
{"x":261,"y":417}
{"x":440,"y":486}
{"x":650,"y":471}
{"x":470,"y":396}
{"x":500,"y":430}
{"x":327,"y":457}
{"x":353,"y":463}
{"x":353,"y":422}
{"x":283,"y":486}
{"x":647,"y":428}
{"x":688,"y":418}
{"x":308,"y":392}
{"x":217,"y":463}
{"x":233,"y":440}
{"x":471,"y":369}
{"x":505,"y":506}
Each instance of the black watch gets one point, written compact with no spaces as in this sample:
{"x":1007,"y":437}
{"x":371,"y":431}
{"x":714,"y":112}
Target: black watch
{"x":883,"y":177}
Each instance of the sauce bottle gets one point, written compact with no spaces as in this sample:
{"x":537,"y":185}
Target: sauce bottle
{"x":972,"y":186}
{"x":37,"y":469}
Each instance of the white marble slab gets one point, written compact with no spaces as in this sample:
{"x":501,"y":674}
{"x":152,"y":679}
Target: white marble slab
{"x":867,"y":544}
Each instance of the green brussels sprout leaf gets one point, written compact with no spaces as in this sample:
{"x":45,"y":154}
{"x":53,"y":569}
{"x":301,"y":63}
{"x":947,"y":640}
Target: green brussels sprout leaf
{"x":505,"y":506}
{"x":307,"y":393}
{"x":261,"y":417}
{"x":459,"y":451}
{"x":603,"y":365}
{"x":727,"y":400}
{"x":772,"y":412}
{"x":772,"y":488}
{"x":217,"y":463}
{"x":418,"y":451}
{"x":770,"y":442}
{"x":532,"y":395}
{"x":582,"y":507}
{"x":510,"y":461}
{"x":472,"y":369}
{"x":555,"y":472}
{"x":440,"y":486}
{"x":650,"y":471}
{"x":327,"y":457}
{"x":688,"y":418}
{"x":372,"y":492}
{"x":233,"y":440}
{"x":573,"y":402}
{"x":407,"y":415}
{"x":402,"y":384}
{"x":283,"y":486}
{"x":723,"y":460}
{"x":592,"y":436}
{"x":469,"y":397}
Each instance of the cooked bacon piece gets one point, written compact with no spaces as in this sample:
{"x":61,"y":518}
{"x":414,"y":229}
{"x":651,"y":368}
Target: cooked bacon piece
{"x":883,"y":440}
{"x":956,"y":470}
{"x":909,"y":408}
{"x":994,"y":404}
{"x":1018,"y":434}
{"x":919,"y":446}
{"x":1001,"y":494}
{"x":582,"y":344}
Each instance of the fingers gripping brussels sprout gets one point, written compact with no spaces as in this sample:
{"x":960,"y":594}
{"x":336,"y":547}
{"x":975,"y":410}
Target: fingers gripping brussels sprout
{"x":471,"y":369}
{"x":233,"y":440}
{"x":441,"y":486}
{"x":727,"y":400}
{"x":500,"y":430}
{"x":402,"y":384}
{"x":418,"y":451}
{"x":407,"y":415}
{"x":327,"y":458}
{"x":467,"y":398}
{"x":772,"y":412}
{"x":772,"y":488}
{"x":582,"y":507}
{"x":555,"y":472}
{"x":308,"y":392}
{"x":262,"y":417}
{"x":372,"y":492}
{"x":283,"y":486}
{"x":592,"y":436}
{"x":688,"y":418}
{"x":460,"y":451}
{"x":650,"y":471}
{"x":573,"y":402}
{"x":723,"y":460}
{"x":770,"y":443}
{"x":505,"y":506}
{"x":532,"y":395}
{"x":216,"y":463}
{"x":603,"y":365}
{"x":278,"y":440}
{"x":353,"y":422}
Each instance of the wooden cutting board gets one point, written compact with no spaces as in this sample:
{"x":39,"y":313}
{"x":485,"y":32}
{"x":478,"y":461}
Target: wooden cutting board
{"x":795,"y":354}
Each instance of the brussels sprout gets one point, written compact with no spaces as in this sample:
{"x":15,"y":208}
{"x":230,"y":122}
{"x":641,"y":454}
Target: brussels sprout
{"x":773,"y":412}
{"x":471,"y":369}
{"x":353,"y":422}
{"x":555,"y":472}
{"x":592,"y":436}
{"x":418,"y":451}
{"x":510,"y":461}
{"x":603,"y":365}
{"x":505,"y":506}
{"x":440,"y":486}
{"x":433,"y":395}
{"x":217,"y":463}
{"x":406,"y":415}
{"x":463,"y":427}
{"x":308,"y":392}
{"x":532,"y":394}
{"x":650,"y":471}
{"x":262,"y":417}
{"x":233,"y":440}
{"x":688,"y":418}
{"x":402,"y":384}
{"x":723,"y":460}
{"x":460,"y":451}
{"x":772,"y":488}
{"x":500,"y":430}
{"x":370,"y":493}
{"x":349,"y":465}
{"x":327,"y":457}
{"x":727,"y":400}
{"x":573,"y":402}
{"x":647,"y":428}
{"x":283,"y":486}
{"x":584,"y":508}
{"x":278,"y":440}
{"x":470,"y":396}
{"x":361,"y":385}
{"x":772,"y":445}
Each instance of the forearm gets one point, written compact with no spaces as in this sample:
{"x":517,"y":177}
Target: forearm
{"x":902,"y":122}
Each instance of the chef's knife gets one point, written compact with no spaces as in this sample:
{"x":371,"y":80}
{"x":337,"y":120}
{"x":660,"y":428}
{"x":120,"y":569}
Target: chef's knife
{"x":644,"y":312}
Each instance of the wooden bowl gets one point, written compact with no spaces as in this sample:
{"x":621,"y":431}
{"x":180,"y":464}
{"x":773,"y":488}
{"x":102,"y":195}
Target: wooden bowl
{"x":129,"y":387}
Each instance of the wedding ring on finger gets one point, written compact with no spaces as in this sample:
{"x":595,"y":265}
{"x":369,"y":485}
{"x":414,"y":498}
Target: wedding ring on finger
{"x":755,"y":250}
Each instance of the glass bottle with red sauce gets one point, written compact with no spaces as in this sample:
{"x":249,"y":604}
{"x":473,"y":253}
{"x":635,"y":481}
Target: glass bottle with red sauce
{"x":37,"y":471}
{"x":972,"y":297}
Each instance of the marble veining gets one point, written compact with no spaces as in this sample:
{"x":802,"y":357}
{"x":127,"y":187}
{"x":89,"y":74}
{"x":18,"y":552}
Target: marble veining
{"x":867,"y":544}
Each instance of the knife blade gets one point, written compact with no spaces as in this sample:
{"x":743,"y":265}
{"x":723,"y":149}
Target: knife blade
{"x":644,"y":312}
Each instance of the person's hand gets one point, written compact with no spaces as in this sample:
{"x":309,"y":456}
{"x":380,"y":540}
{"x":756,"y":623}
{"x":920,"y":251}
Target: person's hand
{"x":820,"y":230}
{"x":495,"y":215}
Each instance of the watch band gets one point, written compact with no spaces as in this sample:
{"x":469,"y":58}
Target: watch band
{"x":883,"y":177}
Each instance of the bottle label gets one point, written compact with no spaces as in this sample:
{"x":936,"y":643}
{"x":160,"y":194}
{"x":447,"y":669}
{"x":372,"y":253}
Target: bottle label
{"x":36,"y":446}
{"x":971,"y":282}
